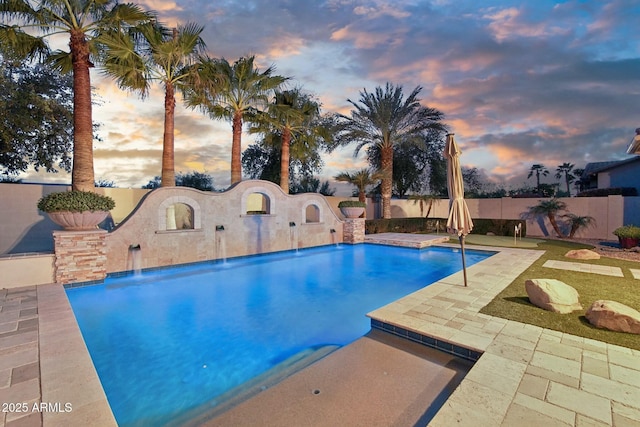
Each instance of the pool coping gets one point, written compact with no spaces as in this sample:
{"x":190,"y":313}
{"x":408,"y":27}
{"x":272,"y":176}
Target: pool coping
{"x":524,"y":372}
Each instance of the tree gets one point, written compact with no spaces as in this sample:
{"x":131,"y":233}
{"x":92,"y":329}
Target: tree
{"x":550,"y":209}
{"x":295,"y":118}
{"x":242,"y":90}
{"x":578,"y":222}
{"x":262,"y":160}
{"x":36,"y":127}
{"x":565,"y":169}
{"x":409,"y":165}
{"x":361,"y":179}
{"x":579,"y":182}
{"x":198,"y":180}
{"x":164,"y":56}
{"x":472,"y":182}
{"x":387,"y":119}
{"x":310,"y":184}
{"x":538,"y":170}
{"x":86,"y":22}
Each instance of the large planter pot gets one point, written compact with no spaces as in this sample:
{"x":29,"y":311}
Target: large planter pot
{"x":628,"y":242}
{"x":77,"y":221}
{"x":352,"y":212}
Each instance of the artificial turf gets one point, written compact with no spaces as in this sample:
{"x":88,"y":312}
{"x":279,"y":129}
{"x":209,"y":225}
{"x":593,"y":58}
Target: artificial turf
{"x":513,"y":304}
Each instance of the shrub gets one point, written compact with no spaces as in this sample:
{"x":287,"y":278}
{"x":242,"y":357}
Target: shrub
{"x":630,"y":231}
{"x":75,"y":201}
{"x":615,"y":191}
{"x":352,"y":204}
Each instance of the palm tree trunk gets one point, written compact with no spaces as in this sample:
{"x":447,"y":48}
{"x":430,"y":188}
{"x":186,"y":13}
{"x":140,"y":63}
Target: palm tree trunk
{"x":168,"y":178}
{"x":387,"y":179}
{"x":566,"y":177}
{"x":236,"y":149}
{"x":554,"y":224}
{"x":284,"y":160}
{"x":82,"y":174}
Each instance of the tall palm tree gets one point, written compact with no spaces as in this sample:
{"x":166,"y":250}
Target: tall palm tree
{"x":538,"y":170}
{"x":168,"y":57}
{"x":243,"y":89}
{"x":294,"y":116}
{"x":566,"y":169}
{"x":361,"y":179}
{"x":85,"y":22}
{"x":385,"y":118}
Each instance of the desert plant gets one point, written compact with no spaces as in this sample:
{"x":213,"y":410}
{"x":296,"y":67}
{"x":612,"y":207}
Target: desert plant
{"x":75,"y":201}
{"x":549,"y":208}
{"x":352,"y":204}
{"x":578,"y":222}
{"x":628,"y":231}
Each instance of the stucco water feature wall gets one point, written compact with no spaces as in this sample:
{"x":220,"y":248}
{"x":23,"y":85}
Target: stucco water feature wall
{"x":178,"y":225}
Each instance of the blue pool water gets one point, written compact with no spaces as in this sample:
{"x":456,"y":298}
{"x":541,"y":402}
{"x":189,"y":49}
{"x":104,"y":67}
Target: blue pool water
{"x":169,"y":341}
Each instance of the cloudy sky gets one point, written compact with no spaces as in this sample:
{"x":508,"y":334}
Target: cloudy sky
{"x":519,"y":82}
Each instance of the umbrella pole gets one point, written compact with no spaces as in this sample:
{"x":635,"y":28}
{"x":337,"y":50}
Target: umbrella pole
{"x":464,"y":263}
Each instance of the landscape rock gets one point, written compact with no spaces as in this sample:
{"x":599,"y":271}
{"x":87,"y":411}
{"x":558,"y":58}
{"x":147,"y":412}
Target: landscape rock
{"x":582,"y":254}
{"x":552,"y":295}
{"x":614,"y":316}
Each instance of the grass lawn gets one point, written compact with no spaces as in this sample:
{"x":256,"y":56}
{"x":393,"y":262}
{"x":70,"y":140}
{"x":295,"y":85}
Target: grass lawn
{"x":513,"y":304}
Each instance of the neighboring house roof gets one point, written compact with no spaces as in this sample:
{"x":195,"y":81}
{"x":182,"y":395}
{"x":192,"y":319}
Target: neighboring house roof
{"x":597,"y":167}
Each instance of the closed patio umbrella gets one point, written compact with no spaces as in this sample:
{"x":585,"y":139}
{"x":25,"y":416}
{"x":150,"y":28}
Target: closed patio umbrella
{"x":459,"y":221}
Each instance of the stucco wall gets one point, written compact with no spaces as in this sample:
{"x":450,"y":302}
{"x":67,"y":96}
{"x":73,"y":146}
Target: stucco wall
{"x":148,"y":227}
{"x":24,"y":229}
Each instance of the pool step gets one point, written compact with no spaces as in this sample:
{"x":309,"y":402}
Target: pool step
{"x":245,"y":391}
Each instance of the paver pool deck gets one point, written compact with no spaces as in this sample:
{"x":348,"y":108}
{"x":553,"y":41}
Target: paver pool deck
{"x":525,"y":376}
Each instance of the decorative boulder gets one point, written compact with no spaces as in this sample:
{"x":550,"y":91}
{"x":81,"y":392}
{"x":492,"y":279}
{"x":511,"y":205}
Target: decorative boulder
{"x":552,"y":295}
{"x":582,"y":254}
{"x":614,"y":316}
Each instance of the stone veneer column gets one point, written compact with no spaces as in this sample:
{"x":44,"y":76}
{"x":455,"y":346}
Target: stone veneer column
{"x":81,"y":256}
{"x":353,"y":230}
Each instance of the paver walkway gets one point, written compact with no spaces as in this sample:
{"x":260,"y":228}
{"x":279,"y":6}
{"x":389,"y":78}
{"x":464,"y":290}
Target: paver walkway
{"x":584,"y":267}
{"x":527,"y":375}
{"x":19,"y":367}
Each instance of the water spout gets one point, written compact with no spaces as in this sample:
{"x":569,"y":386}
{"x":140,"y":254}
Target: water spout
{"x":136,"y":259}
{"x":221,"y":243}
{"x":293,"y":235}
{"x":334,"y":237}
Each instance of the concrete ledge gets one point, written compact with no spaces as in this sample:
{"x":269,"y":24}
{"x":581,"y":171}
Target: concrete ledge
{"x":26,"y":270}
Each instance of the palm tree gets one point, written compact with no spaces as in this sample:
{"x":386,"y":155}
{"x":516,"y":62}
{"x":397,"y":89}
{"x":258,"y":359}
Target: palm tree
{"x":549,"y":208}
{"x":424,"y":199}
{"x":565,"y":169}
{"x":294,"y":116}
{"x":386,"y":119}
{"x":243,"y":89}
{"x":578,"y":222}
{"x":165,"y":56}
{"x":538,"y":170}
{"x":361,"y":179}
{"x":86,"y":22}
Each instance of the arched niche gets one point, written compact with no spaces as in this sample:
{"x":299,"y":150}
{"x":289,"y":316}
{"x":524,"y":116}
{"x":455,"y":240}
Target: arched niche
{"x":257,"y":201}
{"x":311,"y":213}
{"x":179,"y":213}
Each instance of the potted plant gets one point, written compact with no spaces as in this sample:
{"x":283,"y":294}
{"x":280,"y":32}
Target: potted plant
{"x":628,"y":236}
{"x":352,"y":208}
{"x":76,"y":210}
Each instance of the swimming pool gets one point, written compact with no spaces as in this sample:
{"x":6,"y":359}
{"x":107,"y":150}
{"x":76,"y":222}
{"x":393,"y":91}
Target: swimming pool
{"x":167,"y":342}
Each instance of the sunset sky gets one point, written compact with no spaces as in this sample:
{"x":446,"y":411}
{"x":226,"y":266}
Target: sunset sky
{"x":519,"y":82}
